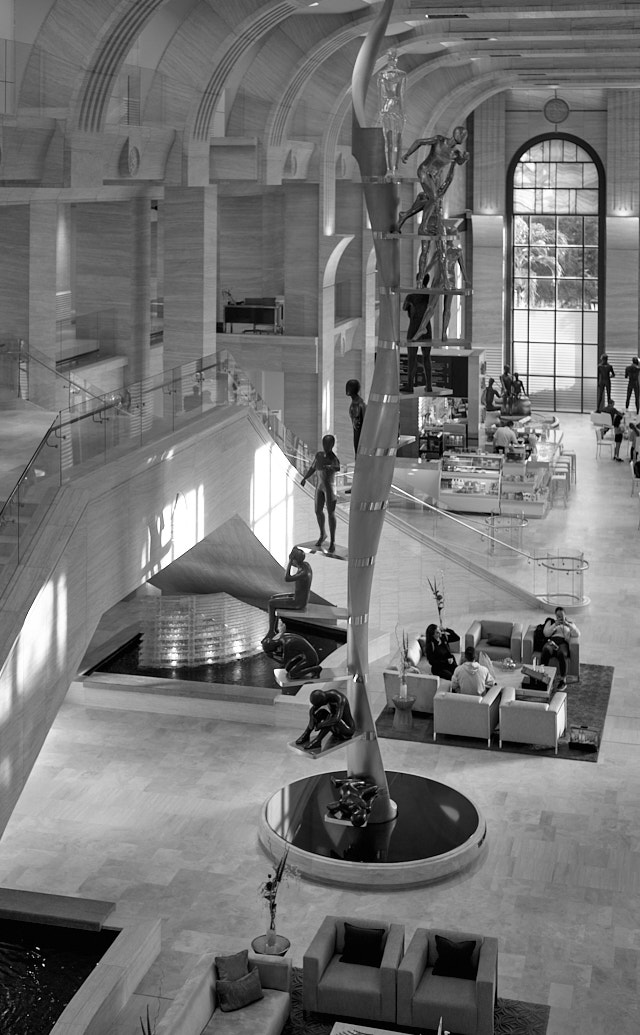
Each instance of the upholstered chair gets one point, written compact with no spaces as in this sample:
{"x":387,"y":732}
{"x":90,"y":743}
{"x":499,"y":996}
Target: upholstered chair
{"x":351,"y":972}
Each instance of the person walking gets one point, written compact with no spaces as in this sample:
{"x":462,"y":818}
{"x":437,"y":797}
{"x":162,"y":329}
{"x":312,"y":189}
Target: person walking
{"x":632,"y":373}
{"x":605,"y":373}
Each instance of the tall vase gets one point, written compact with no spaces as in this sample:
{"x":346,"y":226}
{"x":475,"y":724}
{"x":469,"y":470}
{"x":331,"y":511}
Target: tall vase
{"x":271,"y":936}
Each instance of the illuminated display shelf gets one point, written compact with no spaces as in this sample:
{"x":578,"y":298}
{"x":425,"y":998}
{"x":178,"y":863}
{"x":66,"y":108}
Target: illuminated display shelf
{"x":470,"y":483}
{"x":524,"y":489}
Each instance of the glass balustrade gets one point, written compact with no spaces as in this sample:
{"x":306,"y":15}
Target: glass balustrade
{"x":97,"y":428}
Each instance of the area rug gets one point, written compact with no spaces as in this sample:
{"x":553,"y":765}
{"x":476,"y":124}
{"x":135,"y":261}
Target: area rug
{"x":511,"y":1017}
{"x":587,"y":703}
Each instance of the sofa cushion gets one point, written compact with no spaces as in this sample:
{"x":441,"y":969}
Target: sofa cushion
{"x":413,"y":652}
{"x":498,"y":641}
{"x":455,"y":959}
{"x":231,"y":968}
{"x":363,"y":945}
{"x":233,"y":995}
{"x":492,"y":627}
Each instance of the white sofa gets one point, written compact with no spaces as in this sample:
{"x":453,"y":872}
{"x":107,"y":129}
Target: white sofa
{"x":466,"y":715}
{"x":532,"y":722}
{"x":195,"y":1010}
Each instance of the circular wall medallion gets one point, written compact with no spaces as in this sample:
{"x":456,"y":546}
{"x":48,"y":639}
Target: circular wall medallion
{"x":556,"y":110}
{"x":133,"y":160}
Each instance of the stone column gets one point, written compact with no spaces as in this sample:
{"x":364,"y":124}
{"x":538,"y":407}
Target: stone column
{"x":190,"y":220}
{"x":489,"y":159}
{"x":111,"y":290}
{"x":43,"y":230}
{"x":623,"y":209}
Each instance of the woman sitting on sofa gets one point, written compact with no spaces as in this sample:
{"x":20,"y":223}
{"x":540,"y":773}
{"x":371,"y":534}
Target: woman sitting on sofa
{"x":438,"y":651}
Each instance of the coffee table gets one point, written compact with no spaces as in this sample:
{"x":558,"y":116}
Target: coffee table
{"x":527,"y":693}
{"x":345,"y":1028}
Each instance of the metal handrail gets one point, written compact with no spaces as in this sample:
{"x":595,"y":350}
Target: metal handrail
{"x":449,"y":517}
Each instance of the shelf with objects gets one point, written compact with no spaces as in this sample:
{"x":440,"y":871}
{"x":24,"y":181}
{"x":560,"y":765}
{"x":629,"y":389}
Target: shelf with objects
{"x":470,"y":482}
{"x":525,"y":487}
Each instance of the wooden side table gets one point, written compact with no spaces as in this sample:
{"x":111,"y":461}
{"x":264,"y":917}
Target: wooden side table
{"x":403,"y":719}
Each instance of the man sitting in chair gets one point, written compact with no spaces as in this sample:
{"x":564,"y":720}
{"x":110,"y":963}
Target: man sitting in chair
{"x":471,"y":677}
{"x":556,"y":651}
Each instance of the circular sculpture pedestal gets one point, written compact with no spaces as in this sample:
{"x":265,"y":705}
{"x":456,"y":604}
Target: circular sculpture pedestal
{"x":438,"y":831}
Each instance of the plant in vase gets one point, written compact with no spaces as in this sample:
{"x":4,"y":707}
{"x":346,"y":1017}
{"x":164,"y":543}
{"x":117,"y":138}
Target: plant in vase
{"x":269,"y":892}
{"x":405,"y":662}
{"x":438,"y":593}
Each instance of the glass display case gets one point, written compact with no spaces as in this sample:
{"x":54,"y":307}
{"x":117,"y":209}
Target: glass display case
{"x":470,"y":482}
{"x":524,"y":488}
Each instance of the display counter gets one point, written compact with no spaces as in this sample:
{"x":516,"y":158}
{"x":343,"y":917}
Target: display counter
{"x":470,"y":482}
{"x":482,"y":483}
{"x":525,"y":487}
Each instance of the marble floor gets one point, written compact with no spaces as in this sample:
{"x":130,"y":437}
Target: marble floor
{"x":159,"y":813}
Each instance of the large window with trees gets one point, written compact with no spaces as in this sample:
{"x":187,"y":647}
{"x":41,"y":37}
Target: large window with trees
{"x":555,"y":231}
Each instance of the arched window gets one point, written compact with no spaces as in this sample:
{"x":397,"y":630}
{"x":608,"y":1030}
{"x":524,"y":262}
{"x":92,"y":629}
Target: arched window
{"x":556,"y":226}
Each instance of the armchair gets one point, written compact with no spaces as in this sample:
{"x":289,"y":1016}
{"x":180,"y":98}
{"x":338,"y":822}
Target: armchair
{"x":482,"y":632}
{"x":532,"y":722}
{"x":466,"y":715}
{"x":351,"y":989}
{"x":528,"y":653}
{"x":466,"y":1005}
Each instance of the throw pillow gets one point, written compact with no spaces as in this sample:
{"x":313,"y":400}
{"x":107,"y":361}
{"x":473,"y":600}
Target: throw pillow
{"x":231,"y":968}
{"x":364,"y":945}
{"x":233,"y":995}
{"x":413,"y":652}
{"x":454,"y":959}
{"x":499,"y":641}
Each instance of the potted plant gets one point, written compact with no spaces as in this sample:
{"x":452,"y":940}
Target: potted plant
{"x":269,"y":892}
{"x":438,"y":593}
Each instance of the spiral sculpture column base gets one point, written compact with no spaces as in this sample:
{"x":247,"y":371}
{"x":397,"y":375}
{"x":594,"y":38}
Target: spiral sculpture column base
{"x":438,"y":833}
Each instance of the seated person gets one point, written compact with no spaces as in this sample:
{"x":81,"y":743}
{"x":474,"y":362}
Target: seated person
{"x":471,"y":677}
{"x":300,"y":572}
{"x":558,"y":632}
{"x":504,"y":437}
{"x":438,"y":652}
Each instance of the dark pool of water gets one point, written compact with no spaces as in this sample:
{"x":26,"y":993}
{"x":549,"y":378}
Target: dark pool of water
{"x":254,"y":671}
{"x":41,"y":969}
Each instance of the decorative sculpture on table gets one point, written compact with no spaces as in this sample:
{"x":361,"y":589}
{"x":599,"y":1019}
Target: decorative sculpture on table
{"x":300,"y":572}
{"x":297,"y":656}
{"x":391,"y":87}
{"x":356,"y":797}
{"x":329,"y":715}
